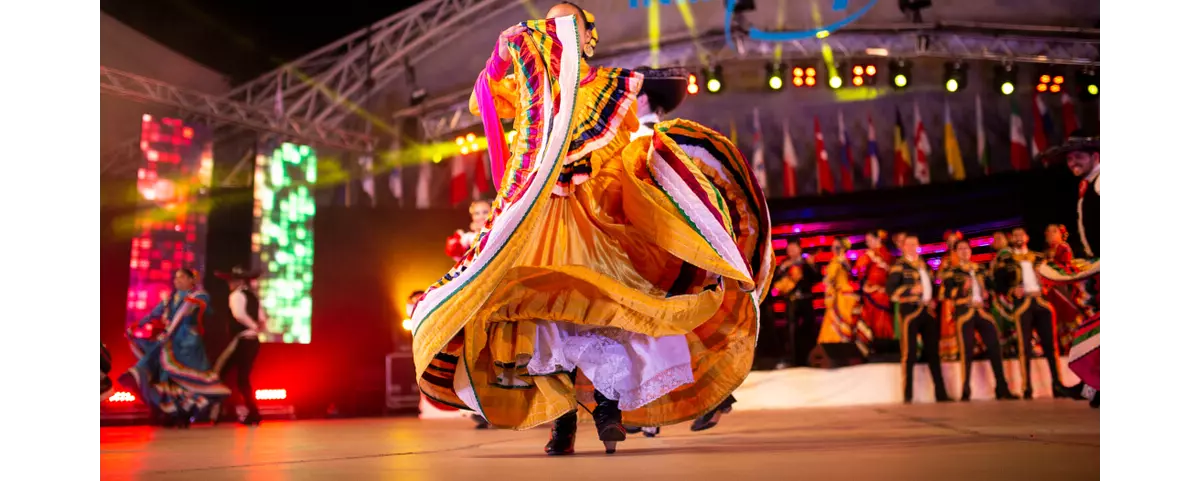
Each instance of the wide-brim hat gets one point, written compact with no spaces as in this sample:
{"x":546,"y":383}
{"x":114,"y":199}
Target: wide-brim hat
{"x":238,"y":272}
{"x":1079,"y":140}
{"x":666,"y":87}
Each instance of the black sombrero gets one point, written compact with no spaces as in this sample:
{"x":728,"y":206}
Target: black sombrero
{"x":666,"y":87}
{"x":1079,"y":140}
{"x":237,"y":272}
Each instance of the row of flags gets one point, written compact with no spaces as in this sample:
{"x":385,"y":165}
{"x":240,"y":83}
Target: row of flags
{"x":911,"y":165}
{"x":470,"y":177}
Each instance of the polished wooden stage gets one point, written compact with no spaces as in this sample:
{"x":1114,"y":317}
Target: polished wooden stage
{"x":979,"y":441}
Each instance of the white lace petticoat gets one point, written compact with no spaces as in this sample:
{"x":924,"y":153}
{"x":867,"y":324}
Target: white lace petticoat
{"x":632,"y":369}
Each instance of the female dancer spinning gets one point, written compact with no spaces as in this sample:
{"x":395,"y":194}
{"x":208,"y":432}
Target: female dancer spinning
{"x":172,"y":373}
{"x":623,"y":275}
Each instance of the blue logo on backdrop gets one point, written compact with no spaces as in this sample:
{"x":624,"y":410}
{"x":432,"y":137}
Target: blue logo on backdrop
{"x":839,"y":6}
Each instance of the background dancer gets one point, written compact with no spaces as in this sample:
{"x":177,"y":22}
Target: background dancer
{"x":247,"y":319}
{"x":872,"y":268}
{"x":598,"y":267}
{"x":173,"y":374}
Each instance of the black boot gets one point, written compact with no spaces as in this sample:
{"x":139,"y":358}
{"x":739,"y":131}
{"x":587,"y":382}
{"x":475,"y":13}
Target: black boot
{"x":608,"y":423}
{"x":562,"y":435}
{"x":966,"y":394}
{"x":480,"y":422}
{"x":710,"y":420}
{"x":1095,"y":402}
{"x":1003,"y":394}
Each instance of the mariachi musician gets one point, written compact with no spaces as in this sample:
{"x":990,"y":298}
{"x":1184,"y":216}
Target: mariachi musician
{"x":910,"y":286}
{"x":795,"y":278}
{"x":963,"y":291}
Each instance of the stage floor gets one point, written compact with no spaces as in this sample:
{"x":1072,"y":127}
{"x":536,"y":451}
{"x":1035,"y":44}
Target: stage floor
{"x":980,"y":441}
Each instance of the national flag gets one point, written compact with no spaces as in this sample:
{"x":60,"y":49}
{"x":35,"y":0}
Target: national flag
{"x":847,"y":159}
{"x":791,"y":165}
{"x":1070,"y":122}
{"x":756,"y":159}
{"x":1019,"y":150}
{"x":981,"y":145}
{"x":482,"y":184}
{"x":921,"y":148}
{"x":871,"y":166}
{"x":954,"y":160}
{"x":396,"y":185}
{"x":460,"y":188}
{"x":824,"y":174}
{"x":424,"y":179}
{"x":902,"y":167}
{"x":1042,"y":126}
{"x":366,"y":164}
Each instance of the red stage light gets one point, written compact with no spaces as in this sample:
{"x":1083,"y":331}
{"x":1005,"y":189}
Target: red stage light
{"x":858,"y":81}
{"x":798,"y":81}
{"x":1045,"y":79}
{"x":270,"y":394}
{"x":798,"y":72}
{"x":1041,"y":87}
{"x":188,"y":132}
{"x":810,"y":81}
{"x":1055,"y":88}
{"x":122,"y":397}
{"x":870,"y":70}
{"x":1058,"y":79}
{"x":811,"y":72}
{"x":858,"y":70}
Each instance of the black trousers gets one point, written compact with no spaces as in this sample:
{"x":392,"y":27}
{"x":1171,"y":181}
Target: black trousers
{"x":967,"y":327}
{"x":242,"y":360}
{"x":802,"y":329}
{"x":1034,"y":315}
{"x":916,"y":320}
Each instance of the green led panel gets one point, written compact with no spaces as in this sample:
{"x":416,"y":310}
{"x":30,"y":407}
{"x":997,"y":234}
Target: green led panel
{"x":282,"y":242}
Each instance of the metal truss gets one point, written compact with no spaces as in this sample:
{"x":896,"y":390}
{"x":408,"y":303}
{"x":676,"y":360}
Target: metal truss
{"x":218,"y":110}
{"x":900,"y":43}
{"x":326,"y":86}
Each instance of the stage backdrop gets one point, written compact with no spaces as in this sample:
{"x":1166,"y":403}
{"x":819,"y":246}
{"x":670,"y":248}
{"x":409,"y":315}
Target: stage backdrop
{"x":368,"y":260}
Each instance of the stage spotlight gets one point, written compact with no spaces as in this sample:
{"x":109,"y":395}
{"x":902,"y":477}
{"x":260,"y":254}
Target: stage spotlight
{"x":863,"y":74}
{"x":1088,"y":81}
{"x":955,"y":76}
{"x":838,"y":75}
{"x":774,"y":76}
{"x":900,"y":72}
{"x":713,"y":79}
{"x":1005,"y":78}
{"x":693,"y":87}
{"x":804,"y":76}
{"x":1048,"y":81}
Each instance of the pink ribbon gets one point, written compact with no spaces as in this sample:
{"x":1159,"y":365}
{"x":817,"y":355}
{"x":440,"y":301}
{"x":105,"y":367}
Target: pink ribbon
{"x":492,"y":128}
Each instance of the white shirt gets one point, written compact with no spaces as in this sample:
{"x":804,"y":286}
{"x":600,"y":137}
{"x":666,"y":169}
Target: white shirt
{"x":237,"y":305}
{"x":976,"y":291}
{"x":926,"y":285}
{"x":645,"y":122}
{"x":1029,"y":278}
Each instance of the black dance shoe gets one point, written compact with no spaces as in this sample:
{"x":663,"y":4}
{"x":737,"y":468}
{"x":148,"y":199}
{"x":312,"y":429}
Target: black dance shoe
{"x":710,"y":420}
{"x":252,"y":419}
{"x":1005,"y":395}
{"x":1095,"y":402}
{"x":1074,"y":392}
{"x":480,"y":422}
{"x":608,"y":423}
{"x":966,"y":394}
{"x":562,"y":435}
{"x":651,"y":432}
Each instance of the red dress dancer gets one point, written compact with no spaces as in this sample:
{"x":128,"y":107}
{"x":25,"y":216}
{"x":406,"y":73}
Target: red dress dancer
{"x":949,"y":345}
{"x":872,"y":268}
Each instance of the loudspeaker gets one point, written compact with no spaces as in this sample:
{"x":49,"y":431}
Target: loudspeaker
{"x":885,"y":350}
{"x":831,"y":355}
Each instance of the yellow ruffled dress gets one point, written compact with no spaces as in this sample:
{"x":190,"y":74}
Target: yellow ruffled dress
{"x":642,"y":263}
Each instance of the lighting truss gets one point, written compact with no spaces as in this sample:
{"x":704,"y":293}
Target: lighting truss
{"x":986,"y":45}
{"x":219,"y":109}
{"x":326,"y":86}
